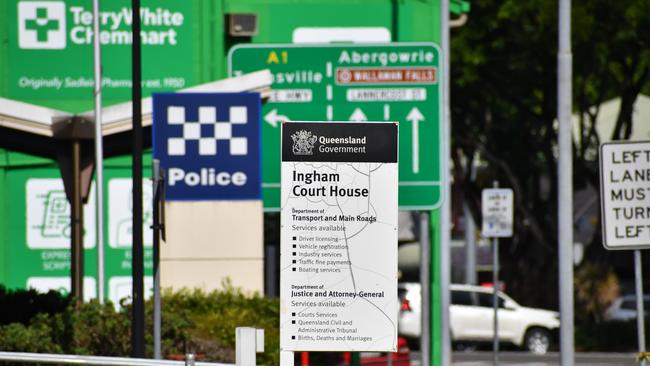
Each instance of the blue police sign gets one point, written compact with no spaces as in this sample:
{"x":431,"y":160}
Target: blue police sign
{"x":209,"y":144}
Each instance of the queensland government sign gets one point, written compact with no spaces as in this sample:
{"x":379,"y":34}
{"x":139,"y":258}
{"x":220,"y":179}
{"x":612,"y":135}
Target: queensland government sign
{"x":209,"y":144}
{"x":338,"y":279}
{"x":351,"y":82}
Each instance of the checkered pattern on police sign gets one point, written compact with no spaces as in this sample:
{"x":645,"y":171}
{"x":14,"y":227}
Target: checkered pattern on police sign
{"x":177,"y":146}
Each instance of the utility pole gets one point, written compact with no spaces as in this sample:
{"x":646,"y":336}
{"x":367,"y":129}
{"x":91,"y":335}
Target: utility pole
{"x":137,"y":323}
{"x":445,"y":214}
{"x":565,"y":184}
{"x":99,"y":155}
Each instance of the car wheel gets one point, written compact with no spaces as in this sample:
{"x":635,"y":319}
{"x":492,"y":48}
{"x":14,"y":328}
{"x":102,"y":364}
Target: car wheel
{"x":537,"y":341}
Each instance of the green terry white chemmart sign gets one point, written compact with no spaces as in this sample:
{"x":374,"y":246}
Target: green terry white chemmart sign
{"x":350,"y":82}
{"x":51,"y":47}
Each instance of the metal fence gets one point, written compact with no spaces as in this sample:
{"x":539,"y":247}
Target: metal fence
{"x":98,"y":360}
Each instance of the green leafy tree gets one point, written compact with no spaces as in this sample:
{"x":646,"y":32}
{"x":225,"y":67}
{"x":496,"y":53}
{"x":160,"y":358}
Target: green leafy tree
{"x":503,"y":101}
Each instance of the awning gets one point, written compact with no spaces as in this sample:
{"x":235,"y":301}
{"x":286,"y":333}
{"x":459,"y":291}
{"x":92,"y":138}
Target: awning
{"x":29,"y":128}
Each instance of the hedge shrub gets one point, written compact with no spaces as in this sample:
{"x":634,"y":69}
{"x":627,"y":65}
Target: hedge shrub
{"x":192,"y":320}
{"x":613,"y":336}
{"x":20,"y":306}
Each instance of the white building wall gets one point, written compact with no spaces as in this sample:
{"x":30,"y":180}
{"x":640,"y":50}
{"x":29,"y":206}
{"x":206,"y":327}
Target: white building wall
{"x":209,"y":241}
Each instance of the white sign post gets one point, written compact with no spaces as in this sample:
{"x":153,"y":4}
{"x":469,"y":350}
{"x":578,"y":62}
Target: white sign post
{"x":338,"y":279}
{"x":497,"y":211}
{"x":625,"y":207}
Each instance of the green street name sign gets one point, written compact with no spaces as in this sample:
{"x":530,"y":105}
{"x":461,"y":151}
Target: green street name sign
{"x":351,"y":82}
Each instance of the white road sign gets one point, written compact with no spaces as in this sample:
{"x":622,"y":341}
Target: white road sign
{"x":497,"y":212}
{"x":625,"y":194}
{"x":338,"y":279}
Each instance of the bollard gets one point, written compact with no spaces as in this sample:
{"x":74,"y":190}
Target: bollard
{"x":286,"y":358}
{"x":189,"y":359}
{"x":249,"y":341}
{"x":259,"y":340}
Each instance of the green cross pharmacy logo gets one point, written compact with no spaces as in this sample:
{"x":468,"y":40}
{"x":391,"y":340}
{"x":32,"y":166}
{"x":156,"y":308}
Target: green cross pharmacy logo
{"x":41,"y":25}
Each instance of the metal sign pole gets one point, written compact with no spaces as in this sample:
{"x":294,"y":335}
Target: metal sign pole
{"x":495,"y":299}
{"x":565,"y":185}
{"x":495,"y":295}
{"x":445,"y":213}
{"x":425,"y":281}
{"x":640,"y":314}
{"x":137,"y":326}
{"x":99,"y":156}
{"x":156,"y":178}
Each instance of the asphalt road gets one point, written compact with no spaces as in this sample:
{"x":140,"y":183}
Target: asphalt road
{"x":482,"y":358}
{"x":551,"y":359}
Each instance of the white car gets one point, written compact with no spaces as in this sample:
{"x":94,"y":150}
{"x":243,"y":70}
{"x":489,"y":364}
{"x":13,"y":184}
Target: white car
{"x":624,"y":308}
{"x":472,"y":318}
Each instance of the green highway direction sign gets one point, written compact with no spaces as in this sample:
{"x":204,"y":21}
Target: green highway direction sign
{"x":352,"y":82}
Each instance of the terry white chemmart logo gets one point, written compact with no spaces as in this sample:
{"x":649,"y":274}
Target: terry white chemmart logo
{"x":41,"y":25}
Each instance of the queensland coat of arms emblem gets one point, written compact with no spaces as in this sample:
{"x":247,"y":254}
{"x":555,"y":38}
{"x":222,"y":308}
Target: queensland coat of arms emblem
{"x":303,"y":142}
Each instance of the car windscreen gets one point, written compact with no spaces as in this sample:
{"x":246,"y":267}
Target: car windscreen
{"x":485,"y":299}
{"x":630,"y":304}
{"x":461,"y":298}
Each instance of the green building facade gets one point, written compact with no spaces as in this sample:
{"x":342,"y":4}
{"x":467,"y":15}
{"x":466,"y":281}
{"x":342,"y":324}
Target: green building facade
{"x":46,"y":59}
